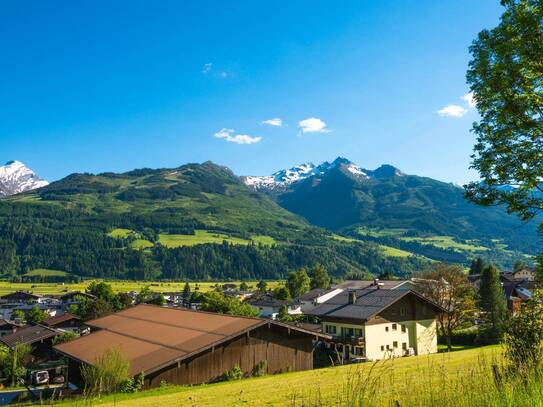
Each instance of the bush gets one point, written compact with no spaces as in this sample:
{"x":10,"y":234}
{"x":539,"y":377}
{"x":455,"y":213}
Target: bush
{"x":261,"y":369}
{"x":468,"y":338}
{"x":108,"y":374}
{"x":234,"y":374}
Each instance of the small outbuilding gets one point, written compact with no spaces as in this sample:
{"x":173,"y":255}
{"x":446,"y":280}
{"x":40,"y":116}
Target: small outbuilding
{"x":182,"y":346}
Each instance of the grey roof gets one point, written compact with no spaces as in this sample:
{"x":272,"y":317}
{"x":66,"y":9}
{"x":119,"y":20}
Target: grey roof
{"x":266,"y":301}
{"x":314,"y":293}
{"x":29,"y":335}
{"x":358,"y":284}
{"x":369,"y":302}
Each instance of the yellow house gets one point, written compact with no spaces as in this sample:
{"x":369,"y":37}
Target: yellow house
{"x":376,"y":323}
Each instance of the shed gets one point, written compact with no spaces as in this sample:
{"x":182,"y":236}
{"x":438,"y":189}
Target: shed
{"x":187,"y":347}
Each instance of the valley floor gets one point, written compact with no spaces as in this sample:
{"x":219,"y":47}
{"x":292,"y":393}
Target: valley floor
{"x":410,"y":381}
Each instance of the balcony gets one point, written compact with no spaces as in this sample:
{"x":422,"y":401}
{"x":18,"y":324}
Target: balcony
{"x":349,"y":340}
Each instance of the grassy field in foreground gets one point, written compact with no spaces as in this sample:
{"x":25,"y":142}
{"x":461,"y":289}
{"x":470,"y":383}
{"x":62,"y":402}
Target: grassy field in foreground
{"x":58,"y":288}
{"x":394,"y":378}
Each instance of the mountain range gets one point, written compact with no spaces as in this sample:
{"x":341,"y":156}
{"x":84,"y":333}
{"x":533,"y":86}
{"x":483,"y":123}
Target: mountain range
{"x":15,"y":178}
{"x":150,"y":223}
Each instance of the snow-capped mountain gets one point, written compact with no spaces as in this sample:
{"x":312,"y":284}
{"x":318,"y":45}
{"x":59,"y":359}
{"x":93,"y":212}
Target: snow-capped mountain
{"x":283,"y":179}
{"x":15,"y":178}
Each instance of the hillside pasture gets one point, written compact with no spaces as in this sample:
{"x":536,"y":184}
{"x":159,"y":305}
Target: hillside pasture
{"x":421,"y":380}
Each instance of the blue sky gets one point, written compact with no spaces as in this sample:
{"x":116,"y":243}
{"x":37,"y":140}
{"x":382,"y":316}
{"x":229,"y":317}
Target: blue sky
{"x":94,"y":86}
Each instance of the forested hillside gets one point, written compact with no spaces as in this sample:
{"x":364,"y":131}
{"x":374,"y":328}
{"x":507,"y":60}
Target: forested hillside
{"x":123,"y":226}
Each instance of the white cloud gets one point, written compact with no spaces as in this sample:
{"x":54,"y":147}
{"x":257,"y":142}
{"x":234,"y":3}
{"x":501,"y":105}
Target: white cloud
{"x":277,"y":122}
{"x":452,"y":111}
{"x":207,"y":68}
{"x":313,"y":125}
{"x":228,"y":135}
{"x":469,"y":99}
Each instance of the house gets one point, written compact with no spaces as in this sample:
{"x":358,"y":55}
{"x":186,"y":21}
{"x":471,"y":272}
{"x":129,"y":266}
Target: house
{"x":72,"y":298}
{"x":8,"y":327}
{"x":64,"y":322}
{"x":268,"y":307}
{"x":525,"y":273}
{"x":21,"y":297}
{"x":375,"y":323}
{"x":186,"y":347}
{"x":317,"y":296}
{"x":39,"y":336}
{"x":516,"y":290}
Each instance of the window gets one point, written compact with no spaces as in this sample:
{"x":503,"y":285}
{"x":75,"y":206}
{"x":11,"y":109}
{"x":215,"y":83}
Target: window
{"x":404,"y":328}
{"x":347,"y":331}
{"x":394,"y":327}
{"x":386,"y":328}
{"x":358,"y":332}
{"x":388,"y":347}
{"x":382,"y":348}
{"x":403,"y":311}
{"x":404,"y":346}
{"x":395,"y":344}
{"x":330,"y":329}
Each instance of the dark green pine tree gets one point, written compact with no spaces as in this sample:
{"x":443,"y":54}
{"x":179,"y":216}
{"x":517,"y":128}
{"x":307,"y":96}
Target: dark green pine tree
{"x":493,"y":306}
{"x":186,"y":293}
{"x":476,"y":267}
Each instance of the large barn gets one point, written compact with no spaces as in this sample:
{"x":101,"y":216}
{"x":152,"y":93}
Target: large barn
{"x":181,"y":346}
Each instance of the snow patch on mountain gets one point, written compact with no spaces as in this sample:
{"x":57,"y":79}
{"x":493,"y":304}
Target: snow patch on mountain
{"x":15,"y":177}
{"x":285,"y":178}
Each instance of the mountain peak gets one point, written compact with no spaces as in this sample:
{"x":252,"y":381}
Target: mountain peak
{"x":387,"y":171}
{"x":15,"y":178}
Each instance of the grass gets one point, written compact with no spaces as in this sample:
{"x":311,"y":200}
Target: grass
{"x":121,"y":233}
{"x":141,"y":244}
{"x":406,"y":380}
{"x":46,"y":273}
{"x":205,"y":236}
{"x":118,"y":286}
{"x":446,"y":242}
{"x":387,"y":250}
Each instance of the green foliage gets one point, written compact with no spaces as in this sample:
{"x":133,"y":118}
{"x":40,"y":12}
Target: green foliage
{"x":319,"y":277}
{"x":298,"y":283}
{"x":447,"y":286}
{"x":65,"y":337}
{"x":261,"y":369}
{"x":12,"y":362}
{"x":36,"y":315}
{"x":493,"y":306}
{"x":524,"y":338}
{"x":244,"y":286}
{"x":281,"y":293}
{"x":18,"y":315}
{"x":108,"y":373}
{"x":186,"y":292}
{"x":217,"y":302}
{"x":144,"y":296}
{"x":88,"y":309}
{"x":262,"y":286}
{"x":9,"y":262}
{"x":477,"y":266}
{"x":233,"y":374}
{"x":505,"y":76}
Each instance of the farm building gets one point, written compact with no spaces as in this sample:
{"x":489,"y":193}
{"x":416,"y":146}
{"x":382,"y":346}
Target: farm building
{"x":182,"y":346}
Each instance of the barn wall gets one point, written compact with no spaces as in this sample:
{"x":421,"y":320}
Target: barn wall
{"x":283,"y":352}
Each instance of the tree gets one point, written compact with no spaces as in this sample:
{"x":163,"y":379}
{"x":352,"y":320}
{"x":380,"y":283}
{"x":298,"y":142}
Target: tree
{"x":319,"y":277}
{"x":283,"y":314}
{"x":476,"y":267}
{"x":145,"y":295}
{"x":213,"y":301}
{"x":9,"y":262}
{"x":505,"y":77}
{"x":519,"y":265}
{"x":298,"y":283}
{"x":281,"y":293}
{"x":448,"y":286}
{"x":101,"y":290}
{"x":262,"y":286}
{"x":524,"y":338}
{"x":18,"y":315}
{"x":122,"y":301}
{"x":65,"y":337}
{"x":12,"y":361}
{"x":107,"y":374}
{"x":36,"y":315}
{"x":244,"y":286}
{"x":492,"y":304}
{"x":186,"y":293}
{"x":88,"y":309}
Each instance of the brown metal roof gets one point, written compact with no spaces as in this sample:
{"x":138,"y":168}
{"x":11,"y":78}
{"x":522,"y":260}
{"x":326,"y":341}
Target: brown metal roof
{"x":59,"y":319}
{"x":152,"y":337}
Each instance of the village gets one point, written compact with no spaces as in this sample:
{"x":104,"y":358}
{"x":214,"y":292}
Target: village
{"x":180,"y":339}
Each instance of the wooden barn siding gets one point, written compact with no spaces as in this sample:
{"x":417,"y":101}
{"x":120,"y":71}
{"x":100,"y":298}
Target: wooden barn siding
{"x":282,"y":351}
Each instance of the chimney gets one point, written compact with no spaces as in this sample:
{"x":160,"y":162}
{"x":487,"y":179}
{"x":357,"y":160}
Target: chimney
{"x":352,"y":297}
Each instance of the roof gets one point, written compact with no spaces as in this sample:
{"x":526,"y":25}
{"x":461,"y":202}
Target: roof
{"x":20,"y":294}
{"x":154,"y":337}
{"x":316,"y":293}
{"x":369,"y":302}
{"x":358,"y":284}
{"x":29,"y":335}
{"x":59,"y":319}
